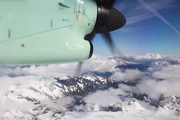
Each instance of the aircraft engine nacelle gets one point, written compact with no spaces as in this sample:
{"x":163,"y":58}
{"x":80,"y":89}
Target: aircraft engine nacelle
{"x":45,"y":32}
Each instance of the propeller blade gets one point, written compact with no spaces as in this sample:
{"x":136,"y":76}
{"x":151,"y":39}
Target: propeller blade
{"x":111,"y":44}
{"x":89,"y":37}
{"x":78,"y":69}
{"x":109,"y":41}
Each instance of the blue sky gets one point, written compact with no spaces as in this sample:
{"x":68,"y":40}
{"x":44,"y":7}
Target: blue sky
{"x":152,"y":27}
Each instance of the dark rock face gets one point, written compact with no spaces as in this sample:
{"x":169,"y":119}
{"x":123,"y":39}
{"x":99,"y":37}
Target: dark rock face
{"x":82,"y":86}
{"x":112,"y":108}
{"x":140,"y":66}
{"x":140,"y":96}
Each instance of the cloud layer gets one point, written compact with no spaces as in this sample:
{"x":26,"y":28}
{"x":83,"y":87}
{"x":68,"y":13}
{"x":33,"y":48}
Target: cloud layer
{"x":161,"y":77}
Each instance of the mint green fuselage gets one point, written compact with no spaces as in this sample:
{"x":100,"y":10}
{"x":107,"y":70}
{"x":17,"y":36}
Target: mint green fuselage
{"x":45,"y":31}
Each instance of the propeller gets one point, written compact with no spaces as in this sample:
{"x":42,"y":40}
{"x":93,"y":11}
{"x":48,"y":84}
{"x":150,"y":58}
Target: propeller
{"x":108,"y":19}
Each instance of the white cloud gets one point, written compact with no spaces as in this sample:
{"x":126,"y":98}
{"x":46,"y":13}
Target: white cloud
{"x":96,"y":63}
{"x":168,"y":72}
{"x":154,"y":88}
{"x":152,"y":58}
{"x":146,"y":57}
{"x":100,"y":64}
{"x":42,"y":70}
{"x":169,"y":83}
{"x":106,"y":97}
{"x":127,"y":75}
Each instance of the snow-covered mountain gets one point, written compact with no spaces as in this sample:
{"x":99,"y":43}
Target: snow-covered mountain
{"x":136,"y":89}
{"x":54,"y":100}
